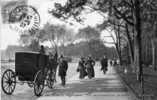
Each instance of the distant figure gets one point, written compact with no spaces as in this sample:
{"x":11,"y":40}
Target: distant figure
{"x":81,"y":68}
{"x":56,"y":56}
{"x":115,"y":62}
{"x":63,"y":66}
{"x":56,"y":60}
{"x":104,"y":62}
{"x":42,"y":49}
{"x":90,"y":67}
{"x":111,"y":63}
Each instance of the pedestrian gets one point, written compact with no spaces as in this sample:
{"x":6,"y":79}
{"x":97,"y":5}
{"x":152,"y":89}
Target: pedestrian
{"x":111,"y":63}
{"x":63,"y":66}
{"x":56,"y":60}
{"x":81,"y":68}
{"x":90,"y":67}
{"x":56,"y":55}
{"x":104,"y":63}
{"x":115,"y":62}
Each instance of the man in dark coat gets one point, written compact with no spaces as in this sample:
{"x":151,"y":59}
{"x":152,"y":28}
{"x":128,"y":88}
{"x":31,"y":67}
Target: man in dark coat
{"x":104,"y":63}
{"x":63,"y":66}
{"x":81,"y":68}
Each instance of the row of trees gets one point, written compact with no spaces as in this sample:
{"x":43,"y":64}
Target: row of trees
{"x":64,"y":40}
{"x":94,"y":48}
{"x":53,"y":34}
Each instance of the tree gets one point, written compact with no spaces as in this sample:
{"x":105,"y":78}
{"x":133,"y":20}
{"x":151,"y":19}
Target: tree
{"x":30,"y":41}
{"x":95,"y":48}
{"x":88,"y":33}
{"x":56,"y":35}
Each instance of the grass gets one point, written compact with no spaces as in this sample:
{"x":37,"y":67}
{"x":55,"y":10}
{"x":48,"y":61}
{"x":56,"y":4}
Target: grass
{"x":150,"y":81}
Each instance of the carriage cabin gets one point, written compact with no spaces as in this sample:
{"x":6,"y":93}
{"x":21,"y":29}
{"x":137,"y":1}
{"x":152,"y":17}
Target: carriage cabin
{"x":27,"y":64}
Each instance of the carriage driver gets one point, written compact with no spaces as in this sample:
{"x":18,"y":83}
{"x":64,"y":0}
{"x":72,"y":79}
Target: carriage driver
{"x":42,"y":49}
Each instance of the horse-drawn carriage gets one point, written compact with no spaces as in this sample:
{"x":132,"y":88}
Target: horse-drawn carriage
{"x":31,"y":68}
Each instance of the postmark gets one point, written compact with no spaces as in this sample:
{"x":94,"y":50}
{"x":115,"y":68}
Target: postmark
{"x":24,"y":19}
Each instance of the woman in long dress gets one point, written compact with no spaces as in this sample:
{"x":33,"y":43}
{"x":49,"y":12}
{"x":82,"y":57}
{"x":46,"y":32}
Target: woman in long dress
{"x":81,"y":68}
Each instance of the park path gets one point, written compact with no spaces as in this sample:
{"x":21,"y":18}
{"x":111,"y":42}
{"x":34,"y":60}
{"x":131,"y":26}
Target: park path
{"x":102,"y":87}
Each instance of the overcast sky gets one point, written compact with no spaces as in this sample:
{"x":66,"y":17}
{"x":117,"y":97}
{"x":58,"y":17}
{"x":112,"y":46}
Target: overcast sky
{"x":11,"y":37}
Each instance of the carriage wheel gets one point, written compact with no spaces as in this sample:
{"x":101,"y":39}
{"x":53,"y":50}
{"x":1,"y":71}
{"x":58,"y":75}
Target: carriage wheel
{"x":50,"y":80}
{"x":8,"y":81}
{"x":38,"y":83}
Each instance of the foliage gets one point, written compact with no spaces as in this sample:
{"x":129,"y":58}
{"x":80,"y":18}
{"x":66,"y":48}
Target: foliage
{"x":95,"y":48}
{"x":56,"y":35}
{"x":88,"y":33}
{"x":9,"y":53}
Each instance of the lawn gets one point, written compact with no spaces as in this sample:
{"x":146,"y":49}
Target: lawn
{"x":150,"y":81}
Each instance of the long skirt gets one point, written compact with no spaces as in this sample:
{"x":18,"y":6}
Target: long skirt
{"x":92,"y":71}
{"x":83,"y":73}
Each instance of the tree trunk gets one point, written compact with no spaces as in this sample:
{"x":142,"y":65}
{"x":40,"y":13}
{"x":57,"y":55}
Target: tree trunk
{"x":130,"y":44}
{"x":154,"y":53}
{"x":138,"y":40}
{"x":154,"y":47}
{"x":118,"y":53}
{"x":119,"y":45}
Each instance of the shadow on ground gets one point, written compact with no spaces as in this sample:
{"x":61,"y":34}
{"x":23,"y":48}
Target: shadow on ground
{"x":86,"y":87}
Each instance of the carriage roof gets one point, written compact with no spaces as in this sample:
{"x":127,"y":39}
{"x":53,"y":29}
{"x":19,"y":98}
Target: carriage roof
{"x":23,"y":56}
{"x":27,"y":52}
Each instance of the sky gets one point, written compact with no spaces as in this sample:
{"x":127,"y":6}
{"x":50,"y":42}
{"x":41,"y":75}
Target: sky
{"x":11,"y":37}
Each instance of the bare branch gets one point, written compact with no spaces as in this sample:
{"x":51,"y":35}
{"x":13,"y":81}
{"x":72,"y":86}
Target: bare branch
{"x":123,"y":16}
